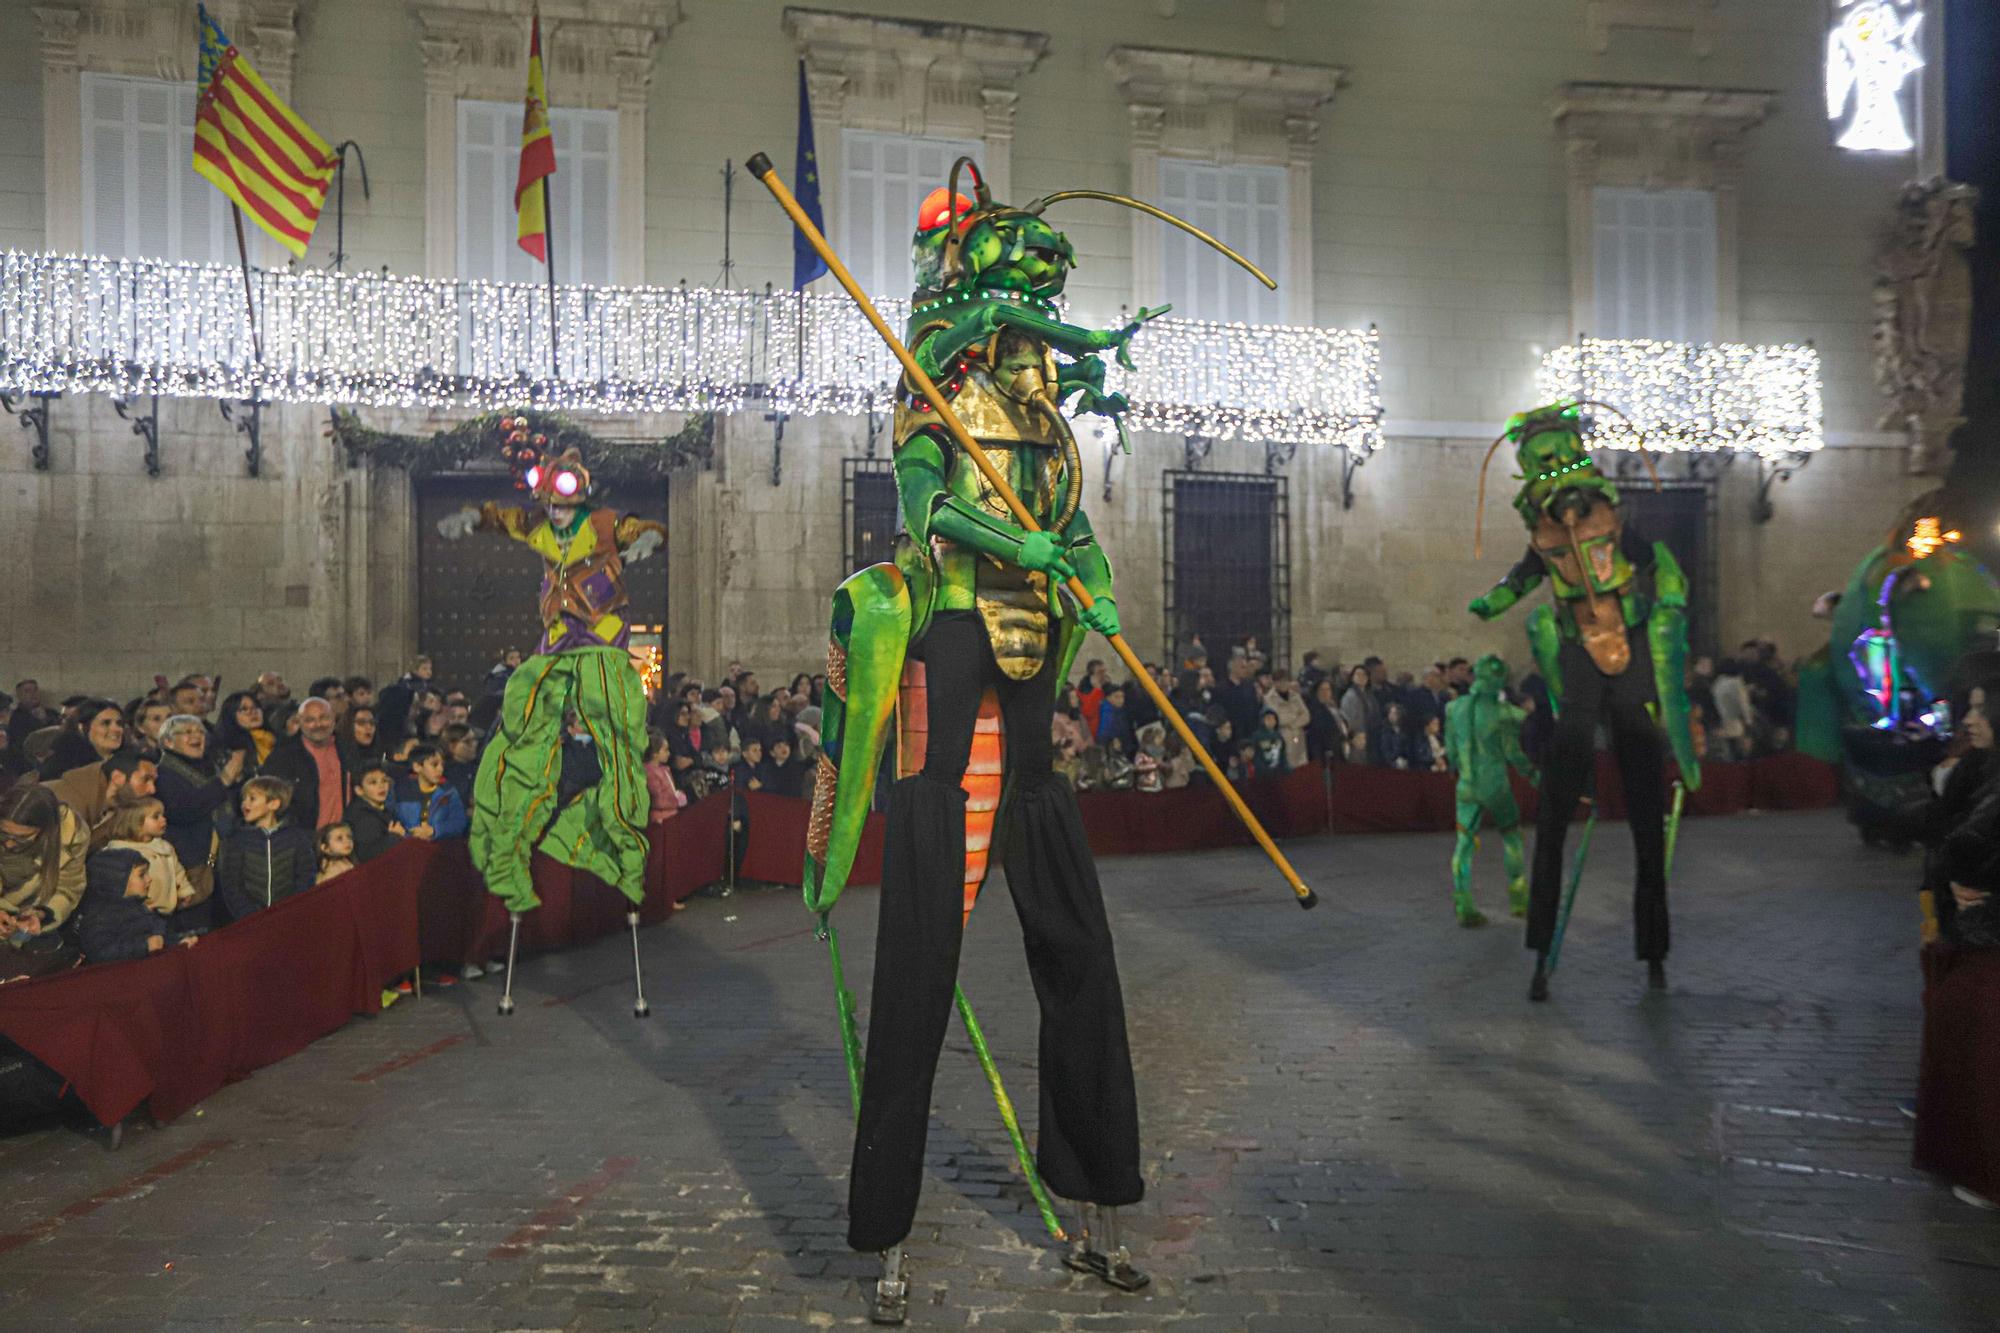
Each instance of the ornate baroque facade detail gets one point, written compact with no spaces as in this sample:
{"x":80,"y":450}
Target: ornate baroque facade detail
{"x":1923,"y":316}
{"x":138,"y":40}
{"x":901,"y":76}
{"x":1696,"y":18}
{"x":1224,"y":109}
{"x":1662,"y":138}
{"x":599,"y":54}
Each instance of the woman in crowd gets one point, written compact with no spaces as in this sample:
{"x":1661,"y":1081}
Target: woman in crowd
{"x":1066,"y":730}
{"x":803,"y":689}
{"x":768,"y":721}
{"x":94,"y":732}
{"x":241,"y":730}
{"x":1284,"y":701}
{"x":143,"y":719}
{"x":1326,"y":730}
{"x":43,"y":849}
{"x":192,"y":788}
{"x":362,"y":730}
{"x":1389,"y":743}
{"x":1362,"y":713}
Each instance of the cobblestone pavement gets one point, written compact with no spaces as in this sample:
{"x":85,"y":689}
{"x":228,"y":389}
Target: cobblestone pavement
{"x":1354,"y":1120}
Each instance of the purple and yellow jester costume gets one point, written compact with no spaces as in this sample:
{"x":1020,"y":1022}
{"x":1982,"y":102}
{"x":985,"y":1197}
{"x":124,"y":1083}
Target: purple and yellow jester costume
{"x":581,"y":666}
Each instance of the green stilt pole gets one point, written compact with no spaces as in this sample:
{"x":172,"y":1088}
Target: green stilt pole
{"x":1575,"y":881}
{"x":843,"y":999}
{"x":1008,"y":1118}
{"x":1674,"y":825}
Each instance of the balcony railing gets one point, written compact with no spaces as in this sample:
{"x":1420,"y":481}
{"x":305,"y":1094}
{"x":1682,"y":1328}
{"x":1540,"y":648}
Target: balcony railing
{"x":126,"y":327}
{"x":1695,"y":397}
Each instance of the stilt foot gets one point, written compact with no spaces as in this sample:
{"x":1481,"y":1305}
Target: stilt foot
{"x":892,"y":1290}
{"x":506,"y":1005}
{"x":1656,"y":974}
{"x":1095,"y":1249}
{"x":1538,"y":988}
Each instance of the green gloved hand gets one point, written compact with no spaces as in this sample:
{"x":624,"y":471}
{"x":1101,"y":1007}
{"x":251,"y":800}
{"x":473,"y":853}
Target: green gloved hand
{"x":1101,"y":615}
{"x":1480,"y":608}
{"x":1041,"y":553}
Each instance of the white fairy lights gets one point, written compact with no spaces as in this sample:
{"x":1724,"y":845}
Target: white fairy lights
{"x":72,"y":323}
{"x":1694,"y":397}
{"x":1871,"y":53}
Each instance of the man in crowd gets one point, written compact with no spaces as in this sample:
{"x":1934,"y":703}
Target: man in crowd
{"x":318,"y":766}
{"x":1239,"y":698}
{"x":29,"y":715}
{"x":93,"y":789}
{"x":330,"y":689}
{"x":272,"y":691}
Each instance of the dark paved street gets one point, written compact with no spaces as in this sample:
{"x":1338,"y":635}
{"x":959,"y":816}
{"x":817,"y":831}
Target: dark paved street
{"x":1353,"y":1120}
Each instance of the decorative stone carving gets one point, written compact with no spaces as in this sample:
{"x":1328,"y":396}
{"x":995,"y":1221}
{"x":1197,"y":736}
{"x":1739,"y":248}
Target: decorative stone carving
{"x":1223,"y":109}
{"x":902,"y":76}
{"x":1647,"y":136}
{"x":1923,"y":316}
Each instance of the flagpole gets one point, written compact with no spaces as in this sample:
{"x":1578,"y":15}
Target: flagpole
{"x":549,"y":244}
{"x":249,"y":305}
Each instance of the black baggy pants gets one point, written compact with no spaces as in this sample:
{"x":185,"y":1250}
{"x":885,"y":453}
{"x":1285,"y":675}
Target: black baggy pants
{"x":1638,"y":744}
{"x":1089,"y":1121}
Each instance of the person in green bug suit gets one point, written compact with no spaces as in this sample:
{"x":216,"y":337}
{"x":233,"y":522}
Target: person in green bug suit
{"x":973,"y":596}
{"x":1482,"y":740}
{"x":1613,"y":649}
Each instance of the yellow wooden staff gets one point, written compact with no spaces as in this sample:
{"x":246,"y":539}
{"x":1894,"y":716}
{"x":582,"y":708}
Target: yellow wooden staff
{"x":760,"y":166}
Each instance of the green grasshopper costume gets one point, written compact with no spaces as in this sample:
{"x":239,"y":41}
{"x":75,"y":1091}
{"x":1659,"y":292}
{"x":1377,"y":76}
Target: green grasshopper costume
{"x":1482,"y":740}
{"x":966,"y":630}
{"x":1613,"y":649}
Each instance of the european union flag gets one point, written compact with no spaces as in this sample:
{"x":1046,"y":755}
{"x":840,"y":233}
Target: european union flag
{"x":806,"y":263}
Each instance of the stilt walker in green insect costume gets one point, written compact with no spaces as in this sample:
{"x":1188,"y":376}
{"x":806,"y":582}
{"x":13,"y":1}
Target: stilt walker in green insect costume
{"x":1482,"y":741}
{"x":581,"y":667}
{"x":1613,"y":649}
{"x":963,"y":640}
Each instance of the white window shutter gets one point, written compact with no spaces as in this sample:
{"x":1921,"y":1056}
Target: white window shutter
{"x":583,"y":194}
{"x":884,"y":177}
{"x":141,"y":196}
{"x":1654,"y":264}
{"x":1243,"y":206}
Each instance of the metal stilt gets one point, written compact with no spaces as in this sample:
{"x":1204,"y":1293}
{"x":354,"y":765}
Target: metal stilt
{"x":513,"y":944}
{"x":639,"y":1006}
{"x":1095,"y":1248}
{"x":892,"y":1290}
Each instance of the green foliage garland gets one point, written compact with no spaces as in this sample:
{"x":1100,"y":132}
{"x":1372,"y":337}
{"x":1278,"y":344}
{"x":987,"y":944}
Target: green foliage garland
{"x":479,"y":440}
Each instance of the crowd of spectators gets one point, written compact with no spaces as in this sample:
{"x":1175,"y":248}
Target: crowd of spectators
{"x":155,"y":820}
{"x":1260,"y":719}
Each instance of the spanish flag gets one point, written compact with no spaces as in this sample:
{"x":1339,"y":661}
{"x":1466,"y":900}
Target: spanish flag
{"x":253,"y":147}
{"x":538,"y":156}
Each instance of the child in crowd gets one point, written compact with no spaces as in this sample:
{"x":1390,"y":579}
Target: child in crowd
{"x":745,"y":774}
{"x":1243,"y":764}
{"x":427,"y":805}
{"x":114,"y":924}
{"x":461,"y":760}
{"x":1432,"y":745}
{"x":372,"y":824}
{"x":667,"y":798}
{"x":1114,"y":726}
{"x":264,"y":859}
{"x":1269,"y":739}
{"x":783,"y":775}
{"x":336,"y":851}
{"x":141,"y":826}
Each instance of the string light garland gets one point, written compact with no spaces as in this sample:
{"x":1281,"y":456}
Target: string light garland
{"x":90,"y":323}
{"x":1694,"y":397}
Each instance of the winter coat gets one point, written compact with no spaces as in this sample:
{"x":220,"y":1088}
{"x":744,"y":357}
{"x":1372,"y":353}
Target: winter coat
{"x":441,"y":809}
{"x":1272,"y":752}
{"x":168,"y":886}
{"x":1293,"y":719}
{"x":296,"y":765}
{"x":260,"y":867}
{"x":372,"y":834}
{"x":462,"y":776}
{"x":21,"y":883}
{"x":666,"y":798}
{"x":1114,"y":728}
{"x":192,"y":792}
{"x":1362,"y":715}
{"x":111,"y":927}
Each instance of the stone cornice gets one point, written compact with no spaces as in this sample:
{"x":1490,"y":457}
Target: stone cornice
{"x":606,"y":48}
{"x":846,"y":43}
{"x":1148,"y":75}
{"x":1717,"y":112}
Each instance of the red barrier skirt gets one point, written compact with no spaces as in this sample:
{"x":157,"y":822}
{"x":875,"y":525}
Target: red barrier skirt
{"x":1958,"y":1078}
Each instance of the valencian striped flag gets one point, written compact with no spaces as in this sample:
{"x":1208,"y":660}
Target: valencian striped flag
{"x":253,"y":147}
{"x":538,"y":157}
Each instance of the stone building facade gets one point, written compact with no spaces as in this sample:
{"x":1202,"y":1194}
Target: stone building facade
{"x":1437,"y":163}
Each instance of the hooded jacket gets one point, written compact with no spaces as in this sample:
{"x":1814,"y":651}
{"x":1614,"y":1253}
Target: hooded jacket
{"x":112,"y":927}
